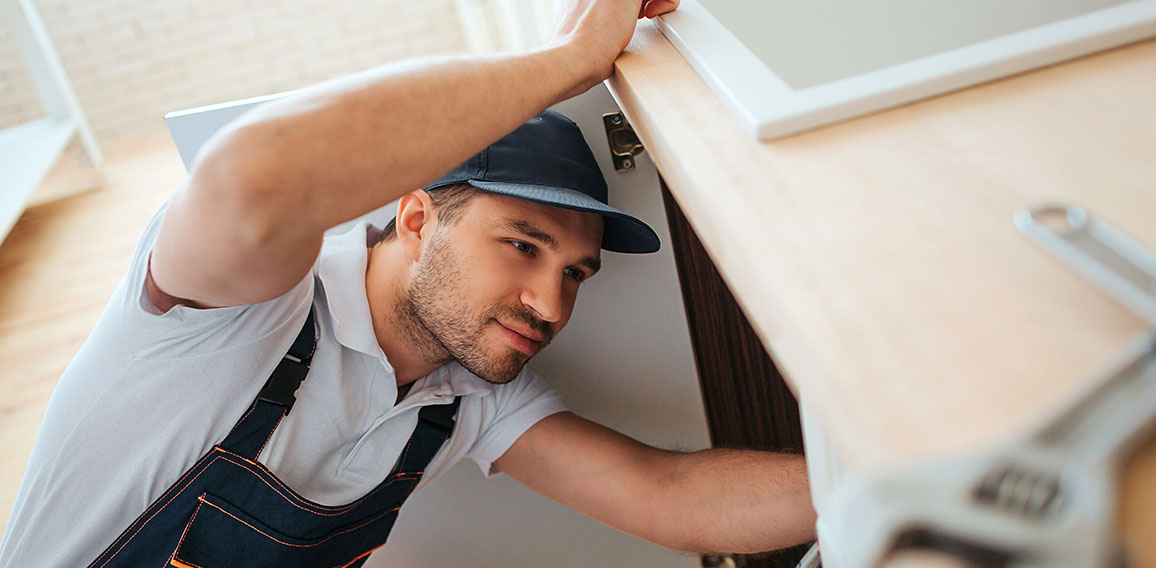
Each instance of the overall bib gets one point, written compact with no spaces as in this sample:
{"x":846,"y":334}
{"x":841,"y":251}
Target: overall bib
{"x":228,"y":510}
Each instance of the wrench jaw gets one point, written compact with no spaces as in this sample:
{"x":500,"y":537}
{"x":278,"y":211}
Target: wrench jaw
{"x":981,"y":511}
{"x":1029,"y":482}
{"x":926,"y":506}
{"x":1028,"y":493}
{"x":1057,"y":514}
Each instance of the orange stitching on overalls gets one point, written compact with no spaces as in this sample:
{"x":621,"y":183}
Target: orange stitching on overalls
{"x":397,"y":476}
{"x":287,"y":498}
{"x":241,"y":421}
{"x":234,"y":428}
{"x":360,"y":556}
{"x":207,"y":466}
{"x":162,"y":498}
{"x":173,"y":559}
{"x":405,"y":452}
{"x":253,"y":407}
{"x":313,"y":351}
{"x":291,"y":497}
{"x":282,"y":417}
{"x":274,"y":539}
{"x":401,"y":460}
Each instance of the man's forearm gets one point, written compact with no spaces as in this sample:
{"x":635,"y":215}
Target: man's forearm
{"x":738,"y":501}
{"x":345,"y":147}
{"x":710,"y":501}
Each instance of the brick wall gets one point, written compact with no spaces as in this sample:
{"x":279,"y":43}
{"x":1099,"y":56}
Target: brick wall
{"x":18,"y":101}
{"x":131,"y":61}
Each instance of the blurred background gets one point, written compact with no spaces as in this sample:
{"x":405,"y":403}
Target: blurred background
{"x":130,"y":62}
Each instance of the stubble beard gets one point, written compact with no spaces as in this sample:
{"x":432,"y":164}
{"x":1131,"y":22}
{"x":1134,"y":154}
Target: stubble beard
{"x":439,"y":325}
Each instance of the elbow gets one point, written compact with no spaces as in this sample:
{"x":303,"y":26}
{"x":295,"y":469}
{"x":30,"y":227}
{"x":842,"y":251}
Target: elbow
{"x":237,"y":175}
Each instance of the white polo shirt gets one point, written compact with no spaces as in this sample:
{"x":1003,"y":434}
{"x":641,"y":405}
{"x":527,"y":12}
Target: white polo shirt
{"x":150,"y":393}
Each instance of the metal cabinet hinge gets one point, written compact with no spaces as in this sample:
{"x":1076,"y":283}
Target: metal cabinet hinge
{"x":624,"y":144}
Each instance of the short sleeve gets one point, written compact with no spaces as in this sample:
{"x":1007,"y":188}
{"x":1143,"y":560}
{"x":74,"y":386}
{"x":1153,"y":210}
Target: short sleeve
{"x":519,"y":404}
{"x":184,"y":331}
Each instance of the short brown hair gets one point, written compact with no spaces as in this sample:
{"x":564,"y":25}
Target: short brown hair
{"x":449,"y":201}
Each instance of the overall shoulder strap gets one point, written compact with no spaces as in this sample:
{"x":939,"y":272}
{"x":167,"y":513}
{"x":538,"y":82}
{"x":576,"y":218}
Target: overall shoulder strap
{"x":276,"y":398}
{"x":435,"y":425}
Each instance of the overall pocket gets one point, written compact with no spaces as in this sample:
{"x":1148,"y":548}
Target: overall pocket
{"x":221,"y":535}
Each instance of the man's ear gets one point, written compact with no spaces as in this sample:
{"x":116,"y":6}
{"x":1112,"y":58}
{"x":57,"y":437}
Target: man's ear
{"x":415,"y":222}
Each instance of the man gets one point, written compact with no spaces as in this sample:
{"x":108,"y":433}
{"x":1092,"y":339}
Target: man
{"x":254,"y":397}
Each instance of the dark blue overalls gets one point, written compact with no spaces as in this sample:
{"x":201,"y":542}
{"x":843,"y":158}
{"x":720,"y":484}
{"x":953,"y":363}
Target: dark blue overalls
{"x":230,"y":511}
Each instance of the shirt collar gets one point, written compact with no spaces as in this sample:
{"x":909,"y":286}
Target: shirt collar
{"x":341,"y":270}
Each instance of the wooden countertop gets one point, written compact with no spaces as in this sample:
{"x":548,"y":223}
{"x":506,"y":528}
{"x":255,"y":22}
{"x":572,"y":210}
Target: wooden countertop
{"x":878,"y":260}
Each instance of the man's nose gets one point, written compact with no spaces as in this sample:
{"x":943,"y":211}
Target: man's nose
{"x":543,"y":294}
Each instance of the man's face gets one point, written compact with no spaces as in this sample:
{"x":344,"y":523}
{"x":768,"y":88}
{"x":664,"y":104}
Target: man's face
{"x":492,"y":289}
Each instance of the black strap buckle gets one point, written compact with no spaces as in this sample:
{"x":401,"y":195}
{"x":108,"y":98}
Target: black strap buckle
{"x":281,"y":388}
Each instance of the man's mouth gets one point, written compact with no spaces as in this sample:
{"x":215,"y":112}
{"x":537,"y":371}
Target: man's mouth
{"x":522,"y":338}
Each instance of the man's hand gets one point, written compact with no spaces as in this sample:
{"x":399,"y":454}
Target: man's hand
{"x":603,"y":27}
{"x":709,"y":501}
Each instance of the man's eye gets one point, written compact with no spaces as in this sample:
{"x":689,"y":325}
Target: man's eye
{"x":576,"y":274}
{"x":525,"y":248}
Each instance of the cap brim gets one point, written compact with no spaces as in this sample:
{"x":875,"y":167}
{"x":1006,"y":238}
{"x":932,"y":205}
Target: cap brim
{"x":622,"y":232}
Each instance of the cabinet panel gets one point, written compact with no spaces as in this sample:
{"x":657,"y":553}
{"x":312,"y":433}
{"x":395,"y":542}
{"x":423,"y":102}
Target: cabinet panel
{"x":748,"y":404}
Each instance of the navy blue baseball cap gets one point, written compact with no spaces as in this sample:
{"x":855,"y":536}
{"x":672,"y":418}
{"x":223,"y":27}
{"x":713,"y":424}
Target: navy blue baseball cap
{"x":547,"y":161}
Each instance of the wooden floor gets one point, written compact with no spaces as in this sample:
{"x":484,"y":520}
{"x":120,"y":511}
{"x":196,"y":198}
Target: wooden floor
{"x":58,"y":267}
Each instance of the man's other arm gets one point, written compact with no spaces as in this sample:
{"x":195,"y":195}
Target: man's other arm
{"x":247,"y":224}
{"x":709,"y":501}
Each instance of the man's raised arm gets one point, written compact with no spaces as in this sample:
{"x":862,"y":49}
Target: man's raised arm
{"x":247,"y":224}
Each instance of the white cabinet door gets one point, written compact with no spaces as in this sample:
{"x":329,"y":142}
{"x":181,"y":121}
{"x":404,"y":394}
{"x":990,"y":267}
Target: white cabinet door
{"x":624,"y":360}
